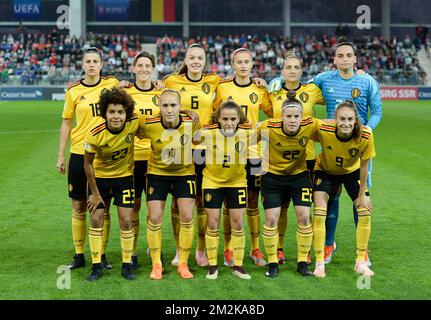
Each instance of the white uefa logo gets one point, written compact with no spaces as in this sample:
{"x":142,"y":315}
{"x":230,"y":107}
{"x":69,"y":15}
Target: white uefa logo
{"x":363,"y":282}
{"x":364,"y":20}
{"x":63,"y":19}
{"x":63,"y":280}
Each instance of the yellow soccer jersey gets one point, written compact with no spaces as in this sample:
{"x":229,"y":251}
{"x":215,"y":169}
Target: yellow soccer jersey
{"x":195,"y":95}
{"x":147,"y":107}
{"x":342,"y":157}
{"x":171,"y":148}
{"x":310,"y":95}
{"x":114,"y":151}
{"x":250,"y":97}
{"x":82,"y":101}
{"x":286,"y":154}
{"x":226,"y":157}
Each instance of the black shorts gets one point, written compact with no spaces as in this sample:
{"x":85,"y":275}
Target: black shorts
{"x":236,"y":198}
{"x":199,"y":159}
{"x":158,"y":187}
{"x":331,"y":183}
{"x":139,"y":175}
{"x":279,"y":189}
{"x":76,"y":178}
{"x":253,"y":167}
{"x":121,"y":189}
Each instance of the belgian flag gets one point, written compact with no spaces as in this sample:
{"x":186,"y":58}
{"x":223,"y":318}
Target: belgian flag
{"x":163,"y":11}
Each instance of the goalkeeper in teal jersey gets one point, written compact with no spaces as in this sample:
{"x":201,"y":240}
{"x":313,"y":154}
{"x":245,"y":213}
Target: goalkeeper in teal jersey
{"x":364,"y":91}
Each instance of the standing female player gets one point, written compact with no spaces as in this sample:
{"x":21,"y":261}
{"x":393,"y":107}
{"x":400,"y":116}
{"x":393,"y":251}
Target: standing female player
{"x":347,"y":148}
{"x":226,"y":142}
{"x":108,"y":164}
{"x":145,"y":96}
{"x":197,"y":91}
{"x":287,"y":178}
{"x":309,"y":95}
{"x":251,"y":98}
{"x":82,"y":103}
{"x":170,"y":170}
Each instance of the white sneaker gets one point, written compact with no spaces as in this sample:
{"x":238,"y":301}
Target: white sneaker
{"x":362,"y":268}
{"x":319,"y":270}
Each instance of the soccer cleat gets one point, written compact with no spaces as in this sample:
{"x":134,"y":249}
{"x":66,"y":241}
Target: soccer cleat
{"x":228,"y":258}
{"x":272,"y":270}
{"x":280,"y":256}
{"x":105,"y":263}
{"x":362,"y":268}
{"x":184,"y":271}
{"x":240,"y":273}
{"x":329,"y":252}
{"x":367,"y":260}
{"x":157,"y":272}
{"x":212,"y":273}
{"x":176,"y":260}
{"x":78,"y":261}
{"x":319,"y":270}
{"x":134,"y":263}
{"x":302,"y":268}
{"x":257,"y":256}
{"x":96,"y":272}
{"x":126,"y":271}
{"x":201,"y":258}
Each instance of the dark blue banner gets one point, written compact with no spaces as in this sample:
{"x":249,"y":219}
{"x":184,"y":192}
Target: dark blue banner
{"x":111,"y":10}
{"x":424,"y":93}
{"x":26,"y":9}
{"x":21,"y":93}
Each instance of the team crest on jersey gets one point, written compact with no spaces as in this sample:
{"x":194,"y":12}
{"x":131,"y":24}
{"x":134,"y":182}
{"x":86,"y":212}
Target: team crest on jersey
{"x":303,"y":142}
{"x":239,"y":146}
{"x":184,"y":139}
{"x":253,"y":97}
{"x":150,"y":190}
{"x":206,"y":88}
{"x":353,"y":152}
{"x":183,"y":89}
{"x":304,"y":96}
{"x":129,"y":137}
{"x":82,"y":98}
{"x":356,"y":93}
{"x":155,"y":100}
{"x":208,"y":197}
{"x":317,"y":181}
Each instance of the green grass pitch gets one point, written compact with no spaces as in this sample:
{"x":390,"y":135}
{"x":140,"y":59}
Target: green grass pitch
{"x":35,"y":228}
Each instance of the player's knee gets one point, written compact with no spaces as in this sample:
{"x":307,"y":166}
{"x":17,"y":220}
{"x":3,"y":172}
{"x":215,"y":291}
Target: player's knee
{"x":96,"y":221}
{"x":236,"y":224}
{"x":212,"y":224}
{"x":186,"y":217}
{"x":155,"y":219}
{"x":271,"y":221}
{"x":79,"y":206}
{"x":304,"y":220}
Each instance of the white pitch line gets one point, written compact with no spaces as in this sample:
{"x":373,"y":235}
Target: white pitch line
{"x":29,"y":131}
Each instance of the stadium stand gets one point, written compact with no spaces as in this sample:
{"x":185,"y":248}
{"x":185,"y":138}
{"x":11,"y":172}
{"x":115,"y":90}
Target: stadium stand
{"x":55,"y":58}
